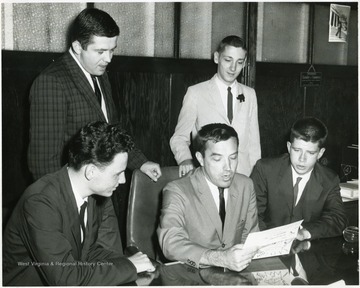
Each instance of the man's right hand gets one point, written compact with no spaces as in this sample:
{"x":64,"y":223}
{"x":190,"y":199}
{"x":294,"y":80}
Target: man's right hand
{"x":185,"y":167}
{"x":235,"y":258}
{"x":141,"y":262}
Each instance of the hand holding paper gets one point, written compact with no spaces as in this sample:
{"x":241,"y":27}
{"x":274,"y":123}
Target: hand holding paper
{"x":273,"y":242}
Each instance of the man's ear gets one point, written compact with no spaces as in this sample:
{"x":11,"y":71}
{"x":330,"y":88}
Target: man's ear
{"x":322,"y":150}
{"x":90,"y":171}
{"x":288,"y":145}
{"x":76,"y":47}
{"x":200,"y":158}
{"x":216,"y":57}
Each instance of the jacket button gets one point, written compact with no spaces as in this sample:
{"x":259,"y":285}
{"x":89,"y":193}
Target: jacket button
{"x":223,"y":245}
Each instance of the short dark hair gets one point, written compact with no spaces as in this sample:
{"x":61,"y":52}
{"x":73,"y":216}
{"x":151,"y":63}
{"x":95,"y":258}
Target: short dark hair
{"x":309,"y":129}
{"x":231,"y":40}
{"x":92,"y":22}
{"x":98,"y":143}
{"x":215,"y":132}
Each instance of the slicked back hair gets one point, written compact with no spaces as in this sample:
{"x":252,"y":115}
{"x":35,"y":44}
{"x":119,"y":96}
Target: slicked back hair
{"x":92,"y":22}
{"x":215,"y":132}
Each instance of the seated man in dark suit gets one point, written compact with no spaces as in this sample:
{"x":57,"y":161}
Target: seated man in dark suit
{"x":64,"y":230}
{"x":207,"y":215}
{"x":295,"y":186}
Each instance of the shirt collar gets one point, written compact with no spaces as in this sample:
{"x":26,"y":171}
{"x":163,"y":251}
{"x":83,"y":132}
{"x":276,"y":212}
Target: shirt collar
{"x":222,"y":85}
{"x":215,"y":189}
{"x":79,"y":200}
{"x":304,"y":177}
{"x":87,"y":74}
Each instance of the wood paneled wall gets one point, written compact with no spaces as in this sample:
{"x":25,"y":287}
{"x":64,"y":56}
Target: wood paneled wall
{"x":148,"y":93}
{"x":281,"y":101}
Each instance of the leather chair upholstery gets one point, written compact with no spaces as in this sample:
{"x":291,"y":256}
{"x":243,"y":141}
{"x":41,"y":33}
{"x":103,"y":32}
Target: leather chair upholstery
{"x":144,"y":209}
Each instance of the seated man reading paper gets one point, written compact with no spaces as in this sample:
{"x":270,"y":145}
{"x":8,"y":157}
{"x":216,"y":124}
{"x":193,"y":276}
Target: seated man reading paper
{"x":64,"y":230}
{"x":296,"y":187}
{"x":207,"y":215}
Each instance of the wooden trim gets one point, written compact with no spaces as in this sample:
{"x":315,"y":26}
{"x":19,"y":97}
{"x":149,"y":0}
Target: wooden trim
{"x":252,"y":44}
{"x":16,"y":59}
{"x":177,"y":19}
{"x":270,"y":69}
{"x":310,"y":50}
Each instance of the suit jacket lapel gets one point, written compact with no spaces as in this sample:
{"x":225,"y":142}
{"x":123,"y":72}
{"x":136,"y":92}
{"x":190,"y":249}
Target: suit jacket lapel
{"x":83,"y":84}
{"x":215,"y":97}
{"x":237,"y":105}
{"x":72,"y":212}
{"x":203,"y":191}
{"x":231,"y":206}
{"x":286,"y":184}
{"x":312,"y":189}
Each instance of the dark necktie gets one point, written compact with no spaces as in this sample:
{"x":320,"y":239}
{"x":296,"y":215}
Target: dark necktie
{"x":82,"y":217}
{"x":230,"y":105}
{"x":296,"y":189}
{"x":222,"y":206}
{"x":97,"y":89}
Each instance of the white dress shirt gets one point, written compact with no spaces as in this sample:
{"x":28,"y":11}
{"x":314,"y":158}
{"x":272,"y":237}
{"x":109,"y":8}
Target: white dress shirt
{"x":79,"y":202}
{"x":215,"y":193}
{"x":224,"y":92}
{"x":304,"y":179}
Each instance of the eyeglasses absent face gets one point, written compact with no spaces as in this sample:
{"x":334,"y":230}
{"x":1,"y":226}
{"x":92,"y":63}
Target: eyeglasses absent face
{"x":304,"y":155}
{"x":220,"y":161}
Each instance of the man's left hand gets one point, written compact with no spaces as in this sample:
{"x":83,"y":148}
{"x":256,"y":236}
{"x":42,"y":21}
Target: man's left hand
{"x":303,"y":234}
{"x":152,"y":170}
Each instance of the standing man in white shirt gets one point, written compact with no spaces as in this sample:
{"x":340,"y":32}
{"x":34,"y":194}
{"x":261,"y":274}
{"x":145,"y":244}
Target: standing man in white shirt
{"x":220,"y":100}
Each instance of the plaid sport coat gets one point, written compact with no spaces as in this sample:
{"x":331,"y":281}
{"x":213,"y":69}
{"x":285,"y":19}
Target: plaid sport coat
{"x":61,"y":102}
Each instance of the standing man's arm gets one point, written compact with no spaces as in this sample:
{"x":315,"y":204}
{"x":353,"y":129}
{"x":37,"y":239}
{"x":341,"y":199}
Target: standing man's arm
{"x":47,"y":124}
{"x":137,"y":160}
{"x":180,"y":141}
{"x":261,"y":191}
{"x":254,"y":137}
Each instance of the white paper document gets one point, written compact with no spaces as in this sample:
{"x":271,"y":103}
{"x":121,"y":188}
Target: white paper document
{"x":273,"y":242}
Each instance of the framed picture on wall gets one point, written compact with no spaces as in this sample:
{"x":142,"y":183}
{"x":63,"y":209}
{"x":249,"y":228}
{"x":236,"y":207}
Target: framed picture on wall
{"x":338,"y":23}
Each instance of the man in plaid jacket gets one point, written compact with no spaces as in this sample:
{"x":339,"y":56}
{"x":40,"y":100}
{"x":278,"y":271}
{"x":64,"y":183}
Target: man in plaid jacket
{"x":73,"y":91}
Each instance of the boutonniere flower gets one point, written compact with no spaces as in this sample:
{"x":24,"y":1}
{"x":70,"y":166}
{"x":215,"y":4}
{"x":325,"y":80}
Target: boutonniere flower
{"x":241,"y":98}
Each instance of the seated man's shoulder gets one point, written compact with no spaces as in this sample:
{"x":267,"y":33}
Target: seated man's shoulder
{"x":272,"y":162}
{"x":48,"y":186}
{"x":55,"y":68}
{"x":201,"y":85}
{"x":242,"y":179}
{"x":327,"y":174}
{"x":247,"y":90}
{"x":178,"y":183}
